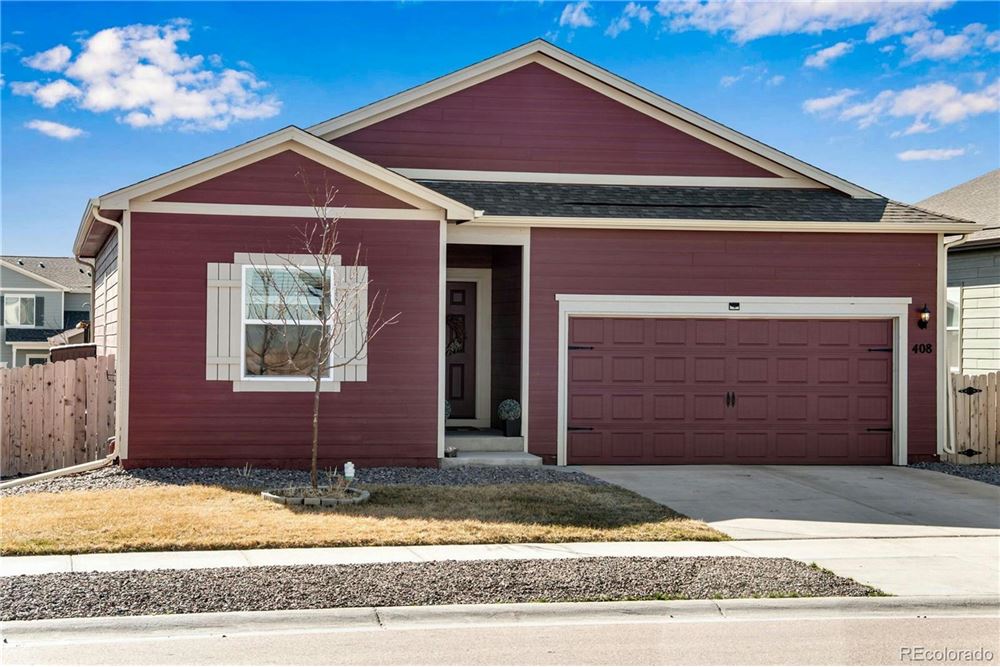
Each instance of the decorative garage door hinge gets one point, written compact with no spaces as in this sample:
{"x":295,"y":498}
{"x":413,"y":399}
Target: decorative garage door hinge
{"x":581,"y":347}
{"x":969,"y":391}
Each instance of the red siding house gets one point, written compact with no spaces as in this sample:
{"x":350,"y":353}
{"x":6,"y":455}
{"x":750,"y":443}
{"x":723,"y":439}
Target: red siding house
{"x":651,"y":286}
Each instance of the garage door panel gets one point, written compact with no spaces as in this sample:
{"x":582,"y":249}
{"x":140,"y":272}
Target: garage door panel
{"x":660,"y":390}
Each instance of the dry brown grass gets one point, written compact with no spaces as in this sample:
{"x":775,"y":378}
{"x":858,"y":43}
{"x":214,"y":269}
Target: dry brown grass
{"x":201,"y":517}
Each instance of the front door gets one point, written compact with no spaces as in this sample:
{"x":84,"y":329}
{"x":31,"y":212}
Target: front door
{"x":460,"y":349}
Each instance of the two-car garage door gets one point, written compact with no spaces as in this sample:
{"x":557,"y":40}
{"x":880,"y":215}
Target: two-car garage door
{"x":661,"y":391}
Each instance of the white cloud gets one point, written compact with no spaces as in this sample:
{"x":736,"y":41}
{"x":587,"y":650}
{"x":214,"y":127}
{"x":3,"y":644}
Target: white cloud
{"x":53,"y":60}
{"x":10,"y":47}
{"x":727,"y":81}
{"x":575,"y":15}
{"x":927,"y":106}
{"x":624,"y":21}
{"x":824,"y":57}
{"x":934,"y":44}
{"x":56,"y":130}
{"x":830,"y":102}
{"x":930,"y":154}
{"x":138,"y":72}
{"x":776,"y":80}
{"x":747,"y":21}
{"x":48,"y":95}
{"x":888,"y":48}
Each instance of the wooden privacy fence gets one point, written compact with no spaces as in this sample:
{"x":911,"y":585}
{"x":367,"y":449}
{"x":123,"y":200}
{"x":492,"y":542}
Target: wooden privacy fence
{"x":56,"y":415}
{"x":975,"y":404}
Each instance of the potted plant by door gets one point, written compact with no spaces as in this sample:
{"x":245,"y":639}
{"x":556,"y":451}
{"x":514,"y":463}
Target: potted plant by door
{"x":509,"y":412}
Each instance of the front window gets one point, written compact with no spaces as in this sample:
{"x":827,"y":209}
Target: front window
{"x":19,"y":311}
{"x":283,"y":316}
{"x":953,"y":325}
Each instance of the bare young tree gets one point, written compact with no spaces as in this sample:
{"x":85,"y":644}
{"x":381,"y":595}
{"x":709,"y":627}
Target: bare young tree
{"x":309,"y":309}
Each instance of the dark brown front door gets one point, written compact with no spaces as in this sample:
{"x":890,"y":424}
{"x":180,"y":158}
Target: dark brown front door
{"x":460,"y":349}
{"x":730,"y":391}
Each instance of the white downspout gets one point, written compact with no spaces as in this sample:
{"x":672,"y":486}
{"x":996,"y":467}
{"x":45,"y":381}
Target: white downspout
{"x":950,"y":436}
{"x":121,"y":368}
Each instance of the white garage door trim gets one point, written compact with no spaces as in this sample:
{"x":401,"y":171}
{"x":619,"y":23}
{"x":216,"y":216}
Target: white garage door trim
{"x":760,"y":307}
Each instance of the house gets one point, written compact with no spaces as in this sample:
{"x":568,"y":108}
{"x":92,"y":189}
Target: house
{"x":650,"y":285}
{"x":973,"y":338}
{"x":43,"y":297}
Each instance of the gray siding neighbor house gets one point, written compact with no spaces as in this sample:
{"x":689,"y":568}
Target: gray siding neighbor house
{"x":42,"y":297}
{"x":973,"y":341}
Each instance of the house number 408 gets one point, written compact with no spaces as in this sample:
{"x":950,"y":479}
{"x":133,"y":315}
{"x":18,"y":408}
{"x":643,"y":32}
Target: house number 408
{"x":923,"y":348}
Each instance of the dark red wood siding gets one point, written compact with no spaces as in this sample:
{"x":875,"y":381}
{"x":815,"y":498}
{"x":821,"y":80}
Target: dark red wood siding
{"x":285,"y":179}
{"x":728,"y":263}
{"x":177,"y":417}
{"x":534,"y":119}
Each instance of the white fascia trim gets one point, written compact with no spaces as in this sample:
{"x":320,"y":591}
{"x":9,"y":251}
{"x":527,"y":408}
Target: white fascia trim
{"x":483,"y":279}
{"x":33,"y":276}
{"x":351,"y":164}
{"x":595,"y":76}
{"x":724,"y":225}
{"x":603,"y":179}
{"x":30,"y":345}
{"x":771,"y":307}
{"x":272,"y":211}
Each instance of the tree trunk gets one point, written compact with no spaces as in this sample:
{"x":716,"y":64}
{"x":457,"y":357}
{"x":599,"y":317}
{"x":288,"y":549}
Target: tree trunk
{"x":314,"y":467}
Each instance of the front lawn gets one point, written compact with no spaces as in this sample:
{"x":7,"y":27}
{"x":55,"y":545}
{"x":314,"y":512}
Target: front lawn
{"x":167,"y":518}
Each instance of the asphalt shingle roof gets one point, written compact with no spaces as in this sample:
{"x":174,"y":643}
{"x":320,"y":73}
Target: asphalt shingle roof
{"x":29,"y":335}
{"x":978,"y":200}
{"x":690,"y":203}
{"x":62,"y":270}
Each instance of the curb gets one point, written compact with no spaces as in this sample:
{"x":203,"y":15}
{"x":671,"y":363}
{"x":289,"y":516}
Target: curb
{"x":556,"y":613}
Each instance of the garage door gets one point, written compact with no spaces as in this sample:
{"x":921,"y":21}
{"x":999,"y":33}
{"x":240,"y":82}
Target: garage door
{"x":661,"y":391}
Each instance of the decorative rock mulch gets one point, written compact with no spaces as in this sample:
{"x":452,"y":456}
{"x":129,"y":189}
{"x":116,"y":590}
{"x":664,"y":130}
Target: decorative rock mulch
{"x":134,"y":592}
{"x":981,"y":472}
{"x":260,"y":479}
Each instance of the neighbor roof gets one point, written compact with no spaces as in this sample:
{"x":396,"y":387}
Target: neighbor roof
{"x":978,"y":200}
{"x":63,"y":272}
{"x":678,"y":203}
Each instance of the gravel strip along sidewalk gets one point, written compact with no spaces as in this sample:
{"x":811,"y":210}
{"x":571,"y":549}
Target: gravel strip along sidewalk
{"x":133,"y":592}
{"x":981,"y":472}
{"x":115,"y":477}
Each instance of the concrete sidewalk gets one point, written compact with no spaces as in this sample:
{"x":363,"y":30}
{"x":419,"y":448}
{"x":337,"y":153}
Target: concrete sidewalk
{"x":956,"y":566}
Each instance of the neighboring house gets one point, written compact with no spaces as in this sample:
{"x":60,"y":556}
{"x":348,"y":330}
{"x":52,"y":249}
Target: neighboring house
{"x":42,"y":298}
{"x":973,"y":274}
{"x":652,"y":286}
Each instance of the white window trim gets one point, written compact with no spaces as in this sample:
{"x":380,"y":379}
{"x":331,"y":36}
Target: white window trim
{"x":761,"y":307}
{"x":31,"y":296}
{"x":244,"y":321}
{"x":483,"y":279}
{"x":28,"y":357}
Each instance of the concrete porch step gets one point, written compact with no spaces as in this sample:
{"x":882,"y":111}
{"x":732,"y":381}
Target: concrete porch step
{"x":491,"y":459}
{"x":483,"y":441}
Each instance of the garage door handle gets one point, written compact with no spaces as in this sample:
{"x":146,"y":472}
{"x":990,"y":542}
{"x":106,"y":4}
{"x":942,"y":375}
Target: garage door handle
{"x":580,"y":428}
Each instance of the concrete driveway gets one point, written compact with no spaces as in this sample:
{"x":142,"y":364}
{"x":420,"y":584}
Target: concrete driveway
{"x":787,"y":502}
{"x":903,"y":530}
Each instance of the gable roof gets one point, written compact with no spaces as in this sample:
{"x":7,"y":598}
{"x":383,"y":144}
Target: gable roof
{"x":682,"y":203}
{"x":288,"y":138}
{"x":549,"y":55}
{"x":58,"y":272}
{"x":977,"y":200}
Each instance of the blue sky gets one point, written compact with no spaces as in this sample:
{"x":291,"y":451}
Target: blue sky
{"x":900,"y":98}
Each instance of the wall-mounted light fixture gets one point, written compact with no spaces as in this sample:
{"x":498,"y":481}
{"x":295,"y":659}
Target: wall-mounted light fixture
{"x":925,"y":317}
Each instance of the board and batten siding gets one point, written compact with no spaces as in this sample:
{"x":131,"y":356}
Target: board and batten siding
{"x":537,"y":120}
{"x":728,"y":264}
{"x":178,"y":417}
{"x":977,"y":272}
{"x":104,"y":310}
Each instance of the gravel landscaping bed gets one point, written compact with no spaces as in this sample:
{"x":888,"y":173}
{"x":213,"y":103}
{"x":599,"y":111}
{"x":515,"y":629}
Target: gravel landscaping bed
{"x":115,"y":477}
{"x":130,"y":593}
{"x":981,"y":472}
